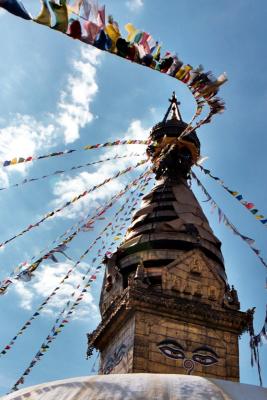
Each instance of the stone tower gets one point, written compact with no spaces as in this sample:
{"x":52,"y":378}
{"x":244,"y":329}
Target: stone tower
{"x":166,"y":305}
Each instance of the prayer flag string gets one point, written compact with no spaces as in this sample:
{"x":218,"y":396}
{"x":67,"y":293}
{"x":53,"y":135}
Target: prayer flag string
{"x":261,"y":338}
{"x":238,"y":196}
{"x":86,"y":226}
{"x":255,"y":342}
{"x":65,"y":315}
{"x":222,"y":217}
{"x":141,"y":182}
{"x":139,"y":47}
{"x":68,"y":203}
{"x":19,"y":160}
{"x":60,"y":172}
{"x":26,"y":274}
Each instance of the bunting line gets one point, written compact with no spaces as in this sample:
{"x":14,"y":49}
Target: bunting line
{"x":255,"y":341}
{"x":19,"y":160}
{"x":68,"y":203}
{"x":248,"y":205}
{"x":139,"y":47}
{"x":60,"y":172}
{"x":26,"y":274}
{"x":68,"y":310}
{"x":144,"y":180}
{"x":222,"y":217}
{"x":88,"y":218}
{"x":261,"y":338}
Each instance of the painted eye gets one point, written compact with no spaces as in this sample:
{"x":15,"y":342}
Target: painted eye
{"x":171,"y":352}
{"x":108,"y":367}
{"x":118,"y":356}
{"x":204,"y":360}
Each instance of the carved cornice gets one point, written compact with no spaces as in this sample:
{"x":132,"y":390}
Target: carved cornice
{"x":136,"y":298}
{"x":189,"y":310}
{"x":116,"y":306}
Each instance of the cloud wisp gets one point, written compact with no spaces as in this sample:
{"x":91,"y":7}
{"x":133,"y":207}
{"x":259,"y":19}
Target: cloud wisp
{"x":74,"y":105}
{"x":66,"y":189}
{"x":25,"y":135}
{"x":48,"y":276}
{"x":135,"y":5}
{"x":45,"y":281}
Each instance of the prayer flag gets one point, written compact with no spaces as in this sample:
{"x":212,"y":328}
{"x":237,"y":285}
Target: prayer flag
{"x":254,"y":211}
{"x":76,"y":7}
{"x":259,"y":217}
{"x":15,"y":7}
{"x":44,"y":17}
{"x":61,"y":15}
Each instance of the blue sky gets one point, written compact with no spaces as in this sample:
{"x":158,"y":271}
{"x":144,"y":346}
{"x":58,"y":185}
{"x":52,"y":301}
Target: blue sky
{"x":58,"y":93}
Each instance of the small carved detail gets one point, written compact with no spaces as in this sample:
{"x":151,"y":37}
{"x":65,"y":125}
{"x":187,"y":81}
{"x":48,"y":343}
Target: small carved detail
{"x":198,"y":291}
{"x":187,"y":290}
{"x":141,"y":278}
{"x":109,"y":283}
{"x":231,"y":298}
{"x":196,"y":267}
{"x":90,"y":347}
{"x":212,"y":294}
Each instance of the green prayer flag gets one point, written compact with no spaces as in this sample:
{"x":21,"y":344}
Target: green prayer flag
{"x":44,"y":17}
{"x":61,"y":15}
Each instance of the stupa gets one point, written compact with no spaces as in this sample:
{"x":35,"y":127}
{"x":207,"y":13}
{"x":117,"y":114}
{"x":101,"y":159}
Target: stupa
{"x":166,"y":304}
{"x":170,"y":322}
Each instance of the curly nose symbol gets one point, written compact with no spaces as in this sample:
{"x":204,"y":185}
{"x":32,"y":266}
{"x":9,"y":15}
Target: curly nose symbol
{"x":189,"y":366}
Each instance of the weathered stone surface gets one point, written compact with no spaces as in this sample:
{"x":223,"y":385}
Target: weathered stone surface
{"x":177,"y":314}
{"x":140,"y":387}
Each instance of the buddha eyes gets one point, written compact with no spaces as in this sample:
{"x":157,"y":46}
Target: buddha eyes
{"x":202,"y":355}
{"x":205,"y":360}
{"x":171,"y":352}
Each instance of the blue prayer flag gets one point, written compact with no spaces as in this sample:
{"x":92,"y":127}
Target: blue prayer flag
{"x":15,"y":7}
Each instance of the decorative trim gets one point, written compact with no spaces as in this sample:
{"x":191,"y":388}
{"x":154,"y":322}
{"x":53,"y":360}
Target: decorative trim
{"x":134,"y":298}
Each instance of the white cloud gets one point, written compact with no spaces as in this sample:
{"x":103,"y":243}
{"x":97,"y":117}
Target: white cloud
{"x":66,"y":189}
{"x":74,"y":105}
{"x":26,"y":295}
{"x":44,"y":282}
{"x":135,"y":5}
{"x":26,"y":136}
{"x":49,"y":275}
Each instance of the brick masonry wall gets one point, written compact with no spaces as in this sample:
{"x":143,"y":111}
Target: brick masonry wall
{"x":151,"y":330}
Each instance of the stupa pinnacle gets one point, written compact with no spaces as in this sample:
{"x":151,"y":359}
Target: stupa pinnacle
{"x":166,"y":305}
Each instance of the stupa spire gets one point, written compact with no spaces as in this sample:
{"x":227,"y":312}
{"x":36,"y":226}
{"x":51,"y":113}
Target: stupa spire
{"x":174,"y":108}
{"x":166,"y":305}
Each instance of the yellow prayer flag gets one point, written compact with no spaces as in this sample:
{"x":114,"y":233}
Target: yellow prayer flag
{"x":132,"y":31}
{"x":61,"y":15}
{"x":113,"y":33}
{"x":183,"y":71}
{"x":44,"y":17}
{"x":14,"y":161}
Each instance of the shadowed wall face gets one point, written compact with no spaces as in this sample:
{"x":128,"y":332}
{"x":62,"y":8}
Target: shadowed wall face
{"x":151,"y":336}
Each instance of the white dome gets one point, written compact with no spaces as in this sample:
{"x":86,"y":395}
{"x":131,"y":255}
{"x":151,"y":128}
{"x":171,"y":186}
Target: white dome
{"x":140,"y":387}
